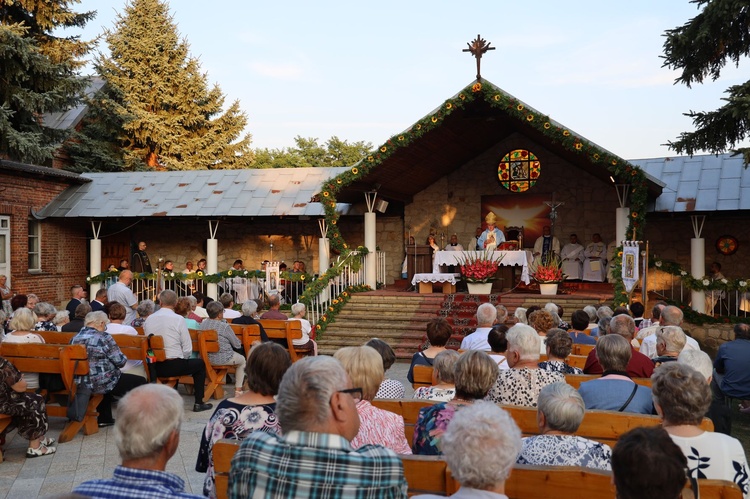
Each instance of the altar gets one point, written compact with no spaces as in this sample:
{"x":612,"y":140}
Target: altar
{"x":509,"y":258}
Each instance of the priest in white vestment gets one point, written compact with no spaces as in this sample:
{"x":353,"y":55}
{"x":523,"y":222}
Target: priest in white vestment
{"x":545,"y":246}
{"x":595,"y":264}
{"x":572,"y":258}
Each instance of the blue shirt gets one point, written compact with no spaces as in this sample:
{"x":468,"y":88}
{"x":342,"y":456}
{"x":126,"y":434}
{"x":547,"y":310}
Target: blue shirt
{"x":611,"y":394}
{"x":133,"y":483}
{"x":732,"y":362}
{"x":320,"y":465}
{"x":581,"y":338}
{"x":105,"y":359}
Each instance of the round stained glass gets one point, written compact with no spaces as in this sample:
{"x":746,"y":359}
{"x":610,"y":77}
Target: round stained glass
{"x":519,"y":170}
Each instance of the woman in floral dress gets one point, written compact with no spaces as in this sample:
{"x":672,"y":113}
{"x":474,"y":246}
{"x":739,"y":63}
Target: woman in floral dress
{"x":443,"y":378}
{"x":254,"y":410}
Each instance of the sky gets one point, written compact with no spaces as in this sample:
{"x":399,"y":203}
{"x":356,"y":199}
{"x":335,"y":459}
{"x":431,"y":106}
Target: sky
{"x":369,"y":70}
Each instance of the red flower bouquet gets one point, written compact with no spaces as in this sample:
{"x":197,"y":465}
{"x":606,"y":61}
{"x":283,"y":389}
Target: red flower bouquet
{"x":479,"y":268}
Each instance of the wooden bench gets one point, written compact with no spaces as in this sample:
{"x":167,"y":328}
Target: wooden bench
{"x":67,"y":361}
{"x":579,"y":349}
{"x":575,"y":380}
{"x":602,"y":426}
{"x":430,"y":475}
{"x":422,"y":376}
{"x":204,"y":342}
{"x":247,"y":334}
{"x":5,"y":421}
{"x":572,"y":360}
{"x":288,"y":331}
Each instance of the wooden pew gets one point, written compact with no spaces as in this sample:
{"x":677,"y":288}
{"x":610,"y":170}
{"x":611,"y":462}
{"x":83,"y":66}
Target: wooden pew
{"x":602,"y":426}
{"x":422,"y":376}
{"x":431,"y":475}
{"x":247,"y":334}
{"x":5,"y":421}
{"x":579,"y":349}
{"x":285,"y":330}
{"x":575,"y":380}
{"x":67,"y":361}
{"x":572,"y":360}
{"x":204,"y":342}
{"x":223,"y":452}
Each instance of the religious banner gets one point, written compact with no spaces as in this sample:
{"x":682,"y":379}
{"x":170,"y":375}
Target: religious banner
{"x":630,"y":263}
{"x":273,"y":280}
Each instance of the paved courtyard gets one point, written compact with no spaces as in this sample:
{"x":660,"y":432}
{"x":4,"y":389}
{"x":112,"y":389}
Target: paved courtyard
{"x":95,"y":456}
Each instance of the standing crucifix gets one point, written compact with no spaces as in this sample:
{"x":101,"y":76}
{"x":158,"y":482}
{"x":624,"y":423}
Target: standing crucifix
{"x":477,"y":48}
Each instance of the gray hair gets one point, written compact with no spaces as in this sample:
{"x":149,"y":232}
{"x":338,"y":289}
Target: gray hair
{"x":551,"y":308}
{"x":145,"y":308}
{"x":681,"y":392}
{"x":603,"y":326}
{"x":305,"y":392}
{"x":161,"y":406}
{"x":671,"y":316}
{"x":591,"y":310}
{"x":604,"y":311}
{"x":214,"y":309}
{"x":524,"y":340}
{"x":98,"y":317}
{"x":44,"y":309}
{"x":168,"y":298}
{"x":297,"y":308}
{"x":486,"y":315}
{"x":249,"y":308}
{"x":623,"y":325}
{"x":193,"y":301}
{"x":445,"y":365}
{"x":613,"y":352}
{"x":226,"y":299}
{"x":673,"y":338}
{"x":698,"y":360}
{"x":562,"y":406}
{"x":61,"y":317}
{"x":502,"y":313}
{"x":481,"y":445}
{"x":520,"y":315}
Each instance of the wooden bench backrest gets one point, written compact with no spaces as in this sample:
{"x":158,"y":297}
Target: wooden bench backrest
{"x":579,"y":349}
{"x":223,"y":451}
{"x":422,"y":376}
{"x":284,"y":330}
{"x":575,"y":380}
{"x":572,"y":360}
{"x":247,"y":334}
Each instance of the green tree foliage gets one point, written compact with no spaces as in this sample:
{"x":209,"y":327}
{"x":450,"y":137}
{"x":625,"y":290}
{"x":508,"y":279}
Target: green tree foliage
{"x":307,"y":153}
{"x":156,"y":110}
{"x":701,"y":48}
{"x":39,"y":73}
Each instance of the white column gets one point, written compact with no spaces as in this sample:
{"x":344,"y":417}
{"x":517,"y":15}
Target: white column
{"x":212,"y":258}
{"x":698,"y":270}
{"x":621,"y":224}
{"x":95,"y":251}
{"x":324,"y":253}
{"x":371,"y":258}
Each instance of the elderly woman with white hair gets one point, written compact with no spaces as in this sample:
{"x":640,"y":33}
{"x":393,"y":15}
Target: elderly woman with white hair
{"x":443,"y":386}
{"x":144,"y":309}
{"x":560,"y":412}
{"x":45,"y":315}
{"x":299,"y":310}
{"x":682,"y":397}
{"x":521,"y":384}
{"x":480,"y":447}
{"x":249,"y":308}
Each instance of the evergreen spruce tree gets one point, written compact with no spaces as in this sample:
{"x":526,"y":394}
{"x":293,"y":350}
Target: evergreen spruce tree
{"x":156,"y":110}
{"x":39,"y":72}
{"x":701,"y":48}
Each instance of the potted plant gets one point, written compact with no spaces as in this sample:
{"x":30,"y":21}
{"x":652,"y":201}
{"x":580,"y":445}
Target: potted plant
{"x":478,"y":270}
{"x":548,"y":273}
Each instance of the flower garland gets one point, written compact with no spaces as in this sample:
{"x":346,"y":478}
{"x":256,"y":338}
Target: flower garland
{"x":620,"y":169}
{"x":700,"y":283}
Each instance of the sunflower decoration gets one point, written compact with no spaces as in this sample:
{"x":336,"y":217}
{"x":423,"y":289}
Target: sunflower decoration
{"x":596,"y":157}
{"x":338,"y":181}
{"x":462,"y":96}
{"x":519,"y":107}
{"x":400,"y":138}
{"x":634,"y":214}
{"x":497,"y":97}
{"x":326,"y":194}
{"x":529,"y":117}
{"x":419,"y":126}
{"x":229,"y":272}
{"x":477,"y":87}
{"x":566,"y":133}
{"x":448,"y":106}
{"x":383,"y":149}
{"x":434,"y":119}
{"x":579,"y":146}
{"x":547,"y":125}
{"x":355,"y":171}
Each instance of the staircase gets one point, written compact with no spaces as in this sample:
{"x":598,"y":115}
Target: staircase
{"x":398,"y":318}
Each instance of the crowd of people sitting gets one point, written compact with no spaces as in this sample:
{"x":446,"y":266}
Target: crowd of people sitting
{"x":297,"y":421}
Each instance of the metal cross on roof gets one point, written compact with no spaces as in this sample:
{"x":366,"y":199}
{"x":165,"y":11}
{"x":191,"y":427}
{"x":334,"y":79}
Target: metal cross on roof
{"x":477,"y":48}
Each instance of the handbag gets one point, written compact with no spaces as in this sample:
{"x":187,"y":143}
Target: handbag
{"x":78,"y":405}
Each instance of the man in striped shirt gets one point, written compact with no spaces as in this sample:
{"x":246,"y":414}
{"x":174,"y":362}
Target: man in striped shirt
{"x":316,"y":407}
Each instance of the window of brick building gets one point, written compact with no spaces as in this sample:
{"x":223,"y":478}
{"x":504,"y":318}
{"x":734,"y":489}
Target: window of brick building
{"x":35,"y":246}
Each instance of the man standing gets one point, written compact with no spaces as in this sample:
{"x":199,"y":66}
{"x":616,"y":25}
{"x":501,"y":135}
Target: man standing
{"x":144,"y":449}
{"x":77,"y":295}
{"x":316,"y":406}
{"x":141,"y":263}
{"x":492,"y":236}
{"x":639,"y":366}
{"x":486,"y":316}
{"x":572,"y":258}
{"x":474,"y":244}
{"x":595,"y":264}
{"x":546,"y":245}
{"x":121,"y":293}
{"x":99,"y":300}
{"x":177,"y":347}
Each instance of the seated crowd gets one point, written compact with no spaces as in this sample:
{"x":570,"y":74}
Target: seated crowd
{"x":298,"y":420}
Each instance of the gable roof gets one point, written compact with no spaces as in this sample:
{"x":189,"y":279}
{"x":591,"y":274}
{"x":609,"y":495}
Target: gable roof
{"x":700,"y":183}
{"x":463,"y":127}
{"x":196,"y":193}
{"x":36,"y":171}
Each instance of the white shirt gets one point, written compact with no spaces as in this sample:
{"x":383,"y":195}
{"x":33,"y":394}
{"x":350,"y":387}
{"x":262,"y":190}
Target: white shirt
{"x":229,"y":313}
{"x":648,"y":345}
{"x":477,"y":340}
{"x":164,"y":322}
{"x":457,"y":247}
{"x":114,"y":328}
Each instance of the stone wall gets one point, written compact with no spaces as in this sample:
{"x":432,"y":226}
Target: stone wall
{"x":711,"y":336}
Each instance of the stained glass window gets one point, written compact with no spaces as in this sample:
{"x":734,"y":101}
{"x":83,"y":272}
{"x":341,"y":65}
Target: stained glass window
{"x":519,"y":170}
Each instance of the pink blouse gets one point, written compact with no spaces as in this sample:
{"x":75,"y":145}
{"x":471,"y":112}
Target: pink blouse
{"x":380,"y":427}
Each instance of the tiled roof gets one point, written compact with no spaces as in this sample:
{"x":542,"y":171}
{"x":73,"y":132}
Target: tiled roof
{"x":41,"y":171}
{"x":66,"y":120}
{"x":701,"y":183}
{"x":203,"y":193}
